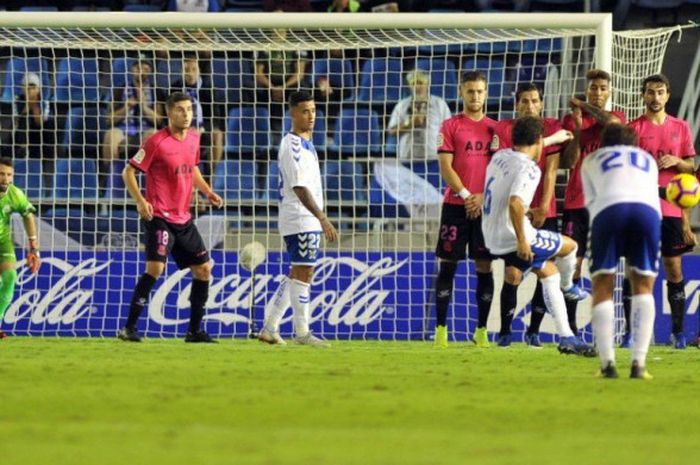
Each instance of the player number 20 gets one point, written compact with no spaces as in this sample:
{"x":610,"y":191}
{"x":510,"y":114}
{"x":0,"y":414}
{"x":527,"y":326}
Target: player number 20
{"x":617,"y":160}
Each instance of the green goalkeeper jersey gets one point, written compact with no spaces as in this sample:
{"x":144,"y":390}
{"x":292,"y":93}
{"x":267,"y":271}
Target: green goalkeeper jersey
{"x":14,"y":201}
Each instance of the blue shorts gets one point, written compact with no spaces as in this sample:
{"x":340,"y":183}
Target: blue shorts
{"x":546,"y":245}
{"x":303,"y":247}
{"x":630,"y":230}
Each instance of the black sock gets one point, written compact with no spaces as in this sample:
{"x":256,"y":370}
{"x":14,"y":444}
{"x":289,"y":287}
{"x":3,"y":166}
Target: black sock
{"x":676,"y":300}
{"x":571,"y":314}
{"x":484,"y":296}
{"x":139,"y":299}
{"x":537,"y":310}
{"x":443,"y":291}
{"x":509,"y":299}
{"x":198,"y":299}
{"x":627,"y":304}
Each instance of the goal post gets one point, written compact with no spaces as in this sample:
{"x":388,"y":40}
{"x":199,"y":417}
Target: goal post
{"x":377,"y":282}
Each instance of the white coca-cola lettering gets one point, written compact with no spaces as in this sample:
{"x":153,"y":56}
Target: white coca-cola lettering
{"x":64,"y":303}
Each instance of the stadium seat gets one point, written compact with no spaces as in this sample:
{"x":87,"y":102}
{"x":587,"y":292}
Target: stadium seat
{"x":248,"y":130}
{"x":137,"y":8}
{"x":272,"y":182}
{"x":380,"y":81}
{"x":82,"y":132}
{"x":76,"y":222}
{"x":231,"y":78}
{"x":339,"y":73}
{"x":430,"y":171}
{"x":536,"y":46}
{"x":357,"y":132}
{"x":14,"y":74}
{"x":533,"y":68}
{"x":167,"y":72}
{"x":77,"y":81}
{"x":121,"y":67}
{"x":382,"y":204}
{"x":443,"y":77}
{"x":28,"y":177}
{"x":318,"y":136}
{"x":234,"y":180}
{"x":47,"y":9}
{"x":75,"y":179}
{"x":344,"y":181}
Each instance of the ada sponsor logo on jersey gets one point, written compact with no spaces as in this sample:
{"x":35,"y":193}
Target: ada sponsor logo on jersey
{"x":140,"y":155}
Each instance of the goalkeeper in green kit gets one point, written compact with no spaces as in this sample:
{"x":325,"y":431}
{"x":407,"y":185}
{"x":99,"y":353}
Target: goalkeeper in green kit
{"x":13,"y":200}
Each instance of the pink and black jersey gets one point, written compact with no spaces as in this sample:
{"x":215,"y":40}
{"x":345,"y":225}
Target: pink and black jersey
{"x":469,"y":142}
{"x":589,"y":142}
{"x":169,"y":166}
{"x":673,"y":137}
{"x":503,"y":135}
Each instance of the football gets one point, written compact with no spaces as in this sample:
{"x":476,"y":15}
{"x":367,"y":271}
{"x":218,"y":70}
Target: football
{"x":252,"y":255}
{"x":683,"y":190}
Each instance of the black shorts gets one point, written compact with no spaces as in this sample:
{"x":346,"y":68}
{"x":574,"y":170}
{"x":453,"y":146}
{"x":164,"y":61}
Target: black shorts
{"x":672,"y":242}
{"x":181,"y":240}
{"x":550,"y":224}
{"x":576,"y":225}
{"x":456,"y":231}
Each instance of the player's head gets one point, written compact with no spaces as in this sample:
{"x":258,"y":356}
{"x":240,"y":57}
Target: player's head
{"x":190,"y":69}
{"x":7,"y":172}
{"x":302,"y":111}
{"x":617,"y":134}
{"x":528,"y":135}
{"x":528,"y":100}
{"x":656,"y":90}
{"x":597,"y":87}
{"x":472,"y":89}
{"x":419,"y":83}
{"x":179,"y":110}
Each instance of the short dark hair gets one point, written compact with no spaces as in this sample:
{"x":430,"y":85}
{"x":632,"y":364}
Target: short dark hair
{"x":174,"y":98}
{"x":597,"y":74}
{"x":617,"y":134}
{"x":526,"y":87}
{"x":7,"y":161}
{"x":300,"y":96}
{"x":473,"y":76}
{"x":656,"y":79}
{"x":527,"y":130}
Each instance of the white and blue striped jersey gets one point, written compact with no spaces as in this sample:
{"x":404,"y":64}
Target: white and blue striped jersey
{"x":619,"y":174}
{"x":509,"y":174}
{"x":298,"y":167}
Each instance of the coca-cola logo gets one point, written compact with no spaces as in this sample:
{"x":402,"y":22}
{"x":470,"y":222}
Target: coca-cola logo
{"x":346,"y":291}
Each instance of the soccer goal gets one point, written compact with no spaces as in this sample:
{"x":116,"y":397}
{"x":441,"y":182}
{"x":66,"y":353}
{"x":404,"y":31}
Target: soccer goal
{"x":103,"y":76}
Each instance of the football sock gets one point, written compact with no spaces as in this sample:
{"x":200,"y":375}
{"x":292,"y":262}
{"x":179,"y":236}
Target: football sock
{"x":676,"y":300}
{"x":602,"y":321}
{"x":198,"y":300}
{"x":277,"y":305}
{"x":139,"y":299}
{"x":299,"y":297}
{"x":627,"y":304}
{"x":484,"y":296}
{"x":538,"y":309}
{"x":443,"y":291}
{"x":7,"y":290}
{"x":509,"y":298}
{"x":567,"y":266}
{"x":643,"y":314}
{"x":571,"y":306}
{"x":554,"y":299}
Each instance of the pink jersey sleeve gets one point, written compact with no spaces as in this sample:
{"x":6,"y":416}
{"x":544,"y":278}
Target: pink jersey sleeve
{"x":144,"y":157}
{"x":445,"y":138}
{"x":687,"y":141}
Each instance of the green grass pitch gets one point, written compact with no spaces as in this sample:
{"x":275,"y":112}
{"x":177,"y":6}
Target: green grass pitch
{"x":92,"y":401}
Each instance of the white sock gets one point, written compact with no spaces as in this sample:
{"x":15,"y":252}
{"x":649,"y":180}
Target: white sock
{"x":567,"y":266}
{"x":643,"y":314}
{"x":277,"y":306}
{"x":554,"y":300}
{"x":602,"y":321}
{"x":299,"y":296}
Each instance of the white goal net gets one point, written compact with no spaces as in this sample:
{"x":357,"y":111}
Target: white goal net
{"x":102,"y":80}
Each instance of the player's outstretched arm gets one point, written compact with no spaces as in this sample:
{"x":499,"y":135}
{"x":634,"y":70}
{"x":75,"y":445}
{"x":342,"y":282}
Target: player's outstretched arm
{"x":33,"y":260}
{"x":144,"y":207}
{"x":203,"y":186}
{"x":308,"y":201}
